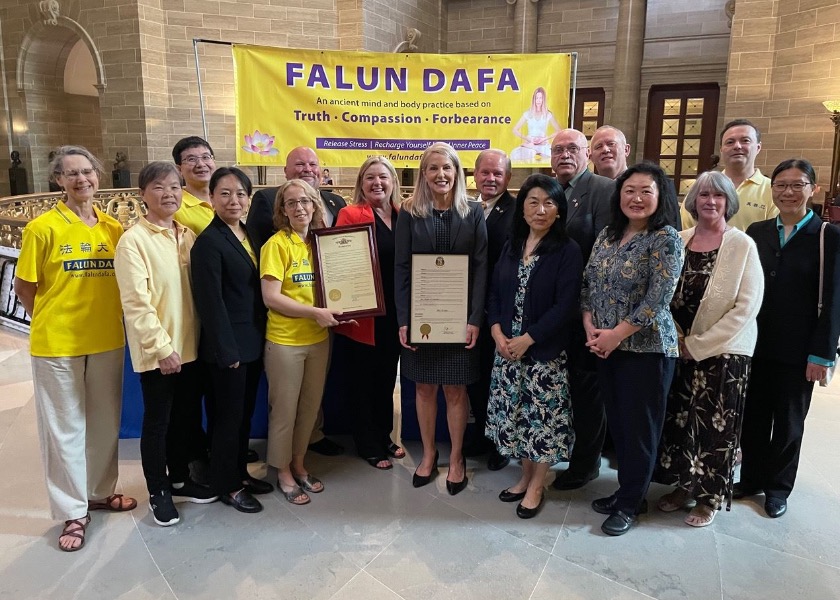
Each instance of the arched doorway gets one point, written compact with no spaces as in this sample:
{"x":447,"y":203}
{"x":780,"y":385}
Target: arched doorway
{"x":59,"y":79}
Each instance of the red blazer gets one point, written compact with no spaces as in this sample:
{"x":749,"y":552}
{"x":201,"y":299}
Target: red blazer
{"x":353,"y":214}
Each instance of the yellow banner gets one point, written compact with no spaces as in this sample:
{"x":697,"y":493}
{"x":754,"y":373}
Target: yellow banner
{"x":352,"y":105}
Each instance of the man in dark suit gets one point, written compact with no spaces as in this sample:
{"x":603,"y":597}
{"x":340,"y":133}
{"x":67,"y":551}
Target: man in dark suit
{"x":588,"y":197}
{"x":301,"y":163}
{"x":492,"y":176}
{"x":609,"y":155}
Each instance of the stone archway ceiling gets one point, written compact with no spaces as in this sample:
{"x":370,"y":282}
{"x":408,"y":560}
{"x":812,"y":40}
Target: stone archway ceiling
{"x":44,"y":51}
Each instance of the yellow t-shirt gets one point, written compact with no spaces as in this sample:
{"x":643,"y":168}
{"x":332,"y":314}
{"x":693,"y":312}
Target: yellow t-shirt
{"x":77,"y":303}
{"x":755,"y":203}
{"x":194,"y":213}
{"x":249,"y":249}
{"x":288,"y":259}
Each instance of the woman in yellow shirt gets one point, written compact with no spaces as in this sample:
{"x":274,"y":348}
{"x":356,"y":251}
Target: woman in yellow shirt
{"x":297,"y":347}
{"x":65,"y":281}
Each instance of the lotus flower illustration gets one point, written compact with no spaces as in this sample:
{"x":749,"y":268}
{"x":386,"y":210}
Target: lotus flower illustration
{"x":260,"y":143}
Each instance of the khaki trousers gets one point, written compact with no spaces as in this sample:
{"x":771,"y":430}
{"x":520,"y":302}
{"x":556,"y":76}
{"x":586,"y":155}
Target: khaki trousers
{"x":79,"y":402}
{"x":296,"y":376}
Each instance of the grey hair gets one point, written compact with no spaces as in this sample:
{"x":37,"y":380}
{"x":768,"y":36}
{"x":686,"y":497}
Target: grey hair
{"x":56,"y":165}
{"x":716,"y":182}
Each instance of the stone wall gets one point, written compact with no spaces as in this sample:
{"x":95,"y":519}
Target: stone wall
{"x":785,"y":61}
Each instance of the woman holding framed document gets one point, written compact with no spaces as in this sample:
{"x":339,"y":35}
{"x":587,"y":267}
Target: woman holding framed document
{"x":297,"y":347}
{"x":440,"y":234}
{"x":371,"y":349}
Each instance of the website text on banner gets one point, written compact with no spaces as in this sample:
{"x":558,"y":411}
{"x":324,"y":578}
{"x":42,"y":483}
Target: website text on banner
{"x":352,"y":105}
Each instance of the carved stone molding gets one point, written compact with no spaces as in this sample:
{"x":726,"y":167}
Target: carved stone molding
{"x":409,"y":43}
{"x":50,"y":11}
{"x":730,"y":11}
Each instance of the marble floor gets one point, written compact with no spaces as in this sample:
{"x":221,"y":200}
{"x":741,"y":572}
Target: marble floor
{"x":371,"y":536}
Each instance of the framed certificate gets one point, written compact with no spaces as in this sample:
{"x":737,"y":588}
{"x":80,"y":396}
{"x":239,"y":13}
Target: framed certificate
{"x":347,"y":276}
{"x":439,"y":298}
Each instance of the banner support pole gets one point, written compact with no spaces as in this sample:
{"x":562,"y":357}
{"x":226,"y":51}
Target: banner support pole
{"x":574,"y":88}
{"x":196,"y":42}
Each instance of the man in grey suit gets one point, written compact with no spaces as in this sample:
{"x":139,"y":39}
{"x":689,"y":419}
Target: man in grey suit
{"x":588,"y":196}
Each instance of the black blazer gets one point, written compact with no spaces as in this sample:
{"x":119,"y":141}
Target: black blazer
{"x":260,"y":218}
{"x":589,"y":210}
{"x":552,"y":298}
{"x":499,"y":224}
{"x":417,"y":236}
{"x":788,"y":328}
{"x":228,"y":297}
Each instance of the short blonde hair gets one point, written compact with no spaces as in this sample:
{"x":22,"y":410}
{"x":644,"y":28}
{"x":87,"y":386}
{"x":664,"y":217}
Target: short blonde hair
{"x":358,"y":195}
{"x":281,"y":219}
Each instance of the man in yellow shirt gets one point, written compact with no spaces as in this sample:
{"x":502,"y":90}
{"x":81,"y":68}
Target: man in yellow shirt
{"x":740,"y":143}
{"x":195,"y":161}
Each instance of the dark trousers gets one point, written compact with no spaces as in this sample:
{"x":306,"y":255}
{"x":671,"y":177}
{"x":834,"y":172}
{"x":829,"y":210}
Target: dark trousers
{"x":199,"y":440}
{"x":634,"y":386}
{"x":371,"y":374}
{"x":777,"y":403}
{"x":589,"y":419}
{"x":168,"y":403}
{"x":234,"y":397}
{"x":479,"y":392}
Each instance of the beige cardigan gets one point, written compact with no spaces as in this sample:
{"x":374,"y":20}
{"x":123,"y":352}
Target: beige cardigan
{"x":153,"y":273}
{"x":725,"y":320}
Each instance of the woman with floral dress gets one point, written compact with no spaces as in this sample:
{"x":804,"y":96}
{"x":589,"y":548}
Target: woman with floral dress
{"x":533,"y":301}
{"x":715,"y":306}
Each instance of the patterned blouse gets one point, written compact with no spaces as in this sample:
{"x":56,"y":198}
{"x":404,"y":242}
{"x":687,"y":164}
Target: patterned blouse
{"x":635,"y":283}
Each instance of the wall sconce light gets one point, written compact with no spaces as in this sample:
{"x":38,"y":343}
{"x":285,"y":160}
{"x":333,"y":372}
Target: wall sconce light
{"x":833,"y":191}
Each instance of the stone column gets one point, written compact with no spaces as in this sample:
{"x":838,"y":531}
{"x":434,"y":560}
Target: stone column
{"x":525,"y":26}
{"x":627,"y":74}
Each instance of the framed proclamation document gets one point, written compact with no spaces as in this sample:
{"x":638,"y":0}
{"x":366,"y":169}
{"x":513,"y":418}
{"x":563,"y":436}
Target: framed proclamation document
{"x":439,"y":298}
{"x":347,"y":276}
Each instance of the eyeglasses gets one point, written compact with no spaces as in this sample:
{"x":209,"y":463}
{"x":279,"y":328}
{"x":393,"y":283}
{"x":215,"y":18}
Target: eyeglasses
{"x":572,"y":150}
{"x":73,"y":173}
{"x":304,"y":203}
{"x":193,"y":160}
{"x":796,"y":186}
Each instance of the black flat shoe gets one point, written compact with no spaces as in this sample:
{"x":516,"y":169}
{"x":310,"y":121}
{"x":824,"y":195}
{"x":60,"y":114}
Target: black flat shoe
{"x":741,"y":490}
{"x":508,"y":496}
{"x":242,"y":501}
{"x":327,"y":447}
{"x":529,"y":513}
{"x":421,"y":480}
{"x":568,"y":480}
{"x":775,"y":507}
{"x":606,"y":506}
{"x":497,"y":462}
{"x":257,"y":486}
{"x":618,"y":523}
{"x":456,"y":487}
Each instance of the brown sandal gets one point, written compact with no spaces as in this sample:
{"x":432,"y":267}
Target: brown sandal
{"x":78,"y":531}
{"x":108,"y":503}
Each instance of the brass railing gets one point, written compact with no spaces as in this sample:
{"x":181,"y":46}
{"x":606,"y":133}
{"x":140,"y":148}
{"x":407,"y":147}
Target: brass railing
{"x":125,"y":205}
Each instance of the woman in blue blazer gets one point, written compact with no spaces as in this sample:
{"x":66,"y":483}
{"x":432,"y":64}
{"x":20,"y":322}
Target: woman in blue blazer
{"x":533,"y":305}
{"x":227,"y":294}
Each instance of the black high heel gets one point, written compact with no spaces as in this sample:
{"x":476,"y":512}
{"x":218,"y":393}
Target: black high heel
{"x":455,"y":487}
{"x":421,"y":480}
